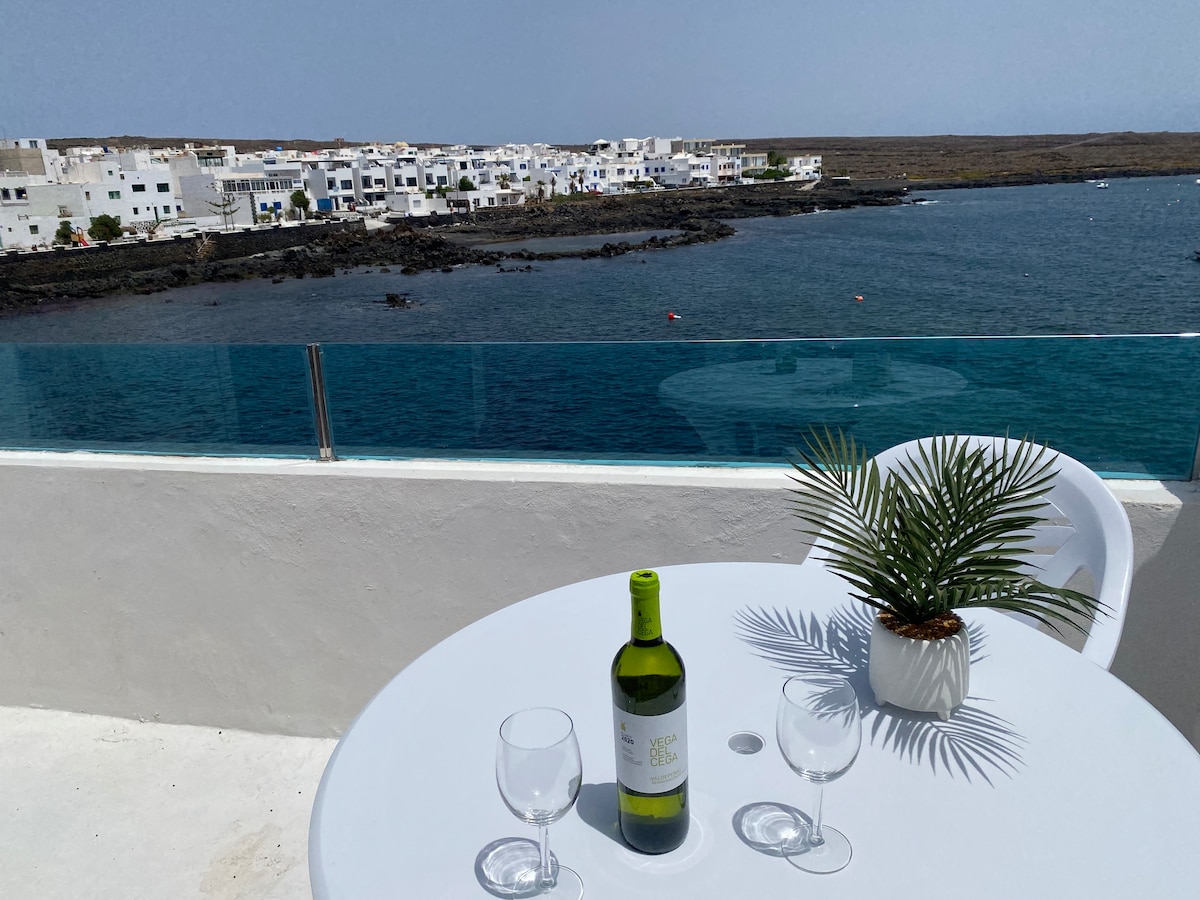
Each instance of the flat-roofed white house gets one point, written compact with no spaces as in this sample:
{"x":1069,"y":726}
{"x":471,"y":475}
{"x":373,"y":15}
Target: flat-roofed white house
{"x":133,"y":187}
{"x":683,"y":170}
{"x":805,"y":168}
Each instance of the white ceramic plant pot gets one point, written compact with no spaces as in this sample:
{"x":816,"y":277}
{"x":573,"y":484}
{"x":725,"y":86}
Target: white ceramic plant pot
{"x":926,"y":676}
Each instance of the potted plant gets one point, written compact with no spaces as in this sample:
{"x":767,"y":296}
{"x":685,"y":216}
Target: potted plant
{"x":946,"y":530}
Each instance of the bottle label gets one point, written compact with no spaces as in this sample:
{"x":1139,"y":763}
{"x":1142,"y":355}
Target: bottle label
{"x":651,"y":750}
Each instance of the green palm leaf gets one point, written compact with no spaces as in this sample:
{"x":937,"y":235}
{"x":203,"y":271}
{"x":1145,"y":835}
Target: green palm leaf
{"x":948,"y":529}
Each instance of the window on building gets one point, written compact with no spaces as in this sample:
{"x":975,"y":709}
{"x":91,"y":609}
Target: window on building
{"x":20,"y":193}
{"x":135,"y":210}
{"x":441,"y":179}
{"x":366,"y":183}
{"x":330,"y":183}
{"x":163,"y":187}
{"x":379,"y":182}
{"x":523,"y":166}
{"x":87,"y":195}
{"x":491,"y":201}
{"x":33,"y":229}
{"x":166,"y":208}
{"x":4,"y":194}
{"x":262,"y":207}
{"x":139,"y":189}
{"x":347,"y":185}
{"x":277,"y":204}
{"x":114,"y":195}
{"x":410,"y":182}
{"x":33,"y":144}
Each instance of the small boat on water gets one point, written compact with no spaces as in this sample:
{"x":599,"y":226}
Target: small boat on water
{"x":1102,"y":184}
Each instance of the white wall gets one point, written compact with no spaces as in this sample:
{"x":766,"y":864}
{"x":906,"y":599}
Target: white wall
{"x":280,"y":596}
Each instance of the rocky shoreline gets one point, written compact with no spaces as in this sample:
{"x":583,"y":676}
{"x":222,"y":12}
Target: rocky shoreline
{"x":416,"y":245}
{"x":409,"y":246}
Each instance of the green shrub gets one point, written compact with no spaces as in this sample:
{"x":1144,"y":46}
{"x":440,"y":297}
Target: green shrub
{"x":104,"y":228}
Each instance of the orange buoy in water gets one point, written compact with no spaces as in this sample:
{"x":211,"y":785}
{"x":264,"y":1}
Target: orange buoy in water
{"x":672,"y":317}
{"x":858,"y":298}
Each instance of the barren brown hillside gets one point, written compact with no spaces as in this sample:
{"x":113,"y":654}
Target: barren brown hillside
{"x":981,"y":156}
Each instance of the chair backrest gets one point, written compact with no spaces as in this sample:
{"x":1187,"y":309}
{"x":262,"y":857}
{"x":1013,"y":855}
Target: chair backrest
{"x":1085,"y":528}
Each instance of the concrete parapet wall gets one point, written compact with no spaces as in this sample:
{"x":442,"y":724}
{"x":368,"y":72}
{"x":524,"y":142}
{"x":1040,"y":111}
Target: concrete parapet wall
{"x":280,"y":596}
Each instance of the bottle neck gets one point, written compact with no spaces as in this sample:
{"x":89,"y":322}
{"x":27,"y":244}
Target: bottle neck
{"x":646,"y":627}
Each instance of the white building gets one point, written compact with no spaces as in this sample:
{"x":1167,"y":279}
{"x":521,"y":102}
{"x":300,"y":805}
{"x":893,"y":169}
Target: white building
{"x":216,"y":186}
{"x":805,"y":168}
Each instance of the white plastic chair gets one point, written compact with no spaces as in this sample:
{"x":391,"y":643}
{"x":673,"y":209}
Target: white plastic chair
{"x":1086,"y":529}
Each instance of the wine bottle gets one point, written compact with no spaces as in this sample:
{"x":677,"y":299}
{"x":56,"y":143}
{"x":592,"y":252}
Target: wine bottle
{"x":650,"y":728}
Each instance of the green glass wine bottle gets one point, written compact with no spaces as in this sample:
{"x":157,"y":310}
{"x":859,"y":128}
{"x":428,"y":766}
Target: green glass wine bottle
{"x":650,"y":728}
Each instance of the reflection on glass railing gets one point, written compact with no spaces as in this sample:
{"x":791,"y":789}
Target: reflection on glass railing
{"x":1124,"y":405}
{"x":243,"y":400}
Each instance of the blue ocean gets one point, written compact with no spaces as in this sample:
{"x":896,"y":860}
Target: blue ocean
{"x":1048,"y":259}
{"x":1066,"y":312}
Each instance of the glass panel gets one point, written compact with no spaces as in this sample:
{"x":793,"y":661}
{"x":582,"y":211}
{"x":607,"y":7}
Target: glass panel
{"x":1126,"y":406}
{"x":243,"y":400}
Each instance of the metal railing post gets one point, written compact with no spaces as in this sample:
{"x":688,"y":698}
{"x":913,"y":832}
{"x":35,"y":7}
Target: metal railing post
{"x":316,"y":383}
{"x":1196,"y":460}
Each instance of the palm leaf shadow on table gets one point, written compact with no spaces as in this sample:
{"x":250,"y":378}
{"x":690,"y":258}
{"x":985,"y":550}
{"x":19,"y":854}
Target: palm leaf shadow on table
{"x":973,"y":742}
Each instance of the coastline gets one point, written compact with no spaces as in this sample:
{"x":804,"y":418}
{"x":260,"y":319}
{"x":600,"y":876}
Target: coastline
{"x":691,"y":216}
{"x":416,"y":245}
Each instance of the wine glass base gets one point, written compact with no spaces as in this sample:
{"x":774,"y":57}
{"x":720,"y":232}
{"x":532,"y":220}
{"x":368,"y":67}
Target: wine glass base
{"x":567,"y":884}
{"x":830,"y":856}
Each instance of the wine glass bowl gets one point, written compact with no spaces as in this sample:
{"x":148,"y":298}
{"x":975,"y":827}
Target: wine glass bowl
{"x":819,"y":731}
{"x":538,"y":773}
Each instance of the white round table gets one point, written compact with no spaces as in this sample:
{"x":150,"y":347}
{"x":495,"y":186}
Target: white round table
{"x":1053,"y":780}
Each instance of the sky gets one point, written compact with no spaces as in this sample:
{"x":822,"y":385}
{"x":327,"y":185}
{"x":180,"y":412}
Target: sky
{"x":570,"y":72}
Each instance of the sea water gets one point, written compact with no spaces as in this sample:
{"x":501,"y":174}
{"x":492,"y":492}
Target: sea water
{"x":1047,"y":259}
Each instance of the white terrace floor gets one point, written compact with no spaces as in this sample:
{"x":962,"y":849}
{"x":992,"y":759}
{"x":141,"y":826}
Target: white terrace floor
{"x":97,"y":807}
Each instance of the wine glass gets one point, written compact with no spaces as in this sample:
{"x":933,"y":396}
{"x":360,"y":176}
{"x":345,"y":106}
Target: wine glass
{"x":819,"y":733}
{"x":538,"y":772}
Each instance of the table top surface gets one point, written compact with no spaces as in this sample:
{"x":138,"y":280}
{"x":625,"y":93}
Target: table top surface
{"x":1054,"y":779}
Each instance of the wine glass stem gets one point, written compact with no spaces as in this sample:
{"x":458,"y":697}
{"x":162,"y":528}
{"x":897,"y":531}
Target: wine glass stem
{"x":545,"y":880}
{"x":814,"y":835}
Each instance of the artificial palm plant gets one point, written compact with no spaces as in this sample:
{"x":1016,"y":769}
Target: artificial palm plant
{"x":947,"y":530}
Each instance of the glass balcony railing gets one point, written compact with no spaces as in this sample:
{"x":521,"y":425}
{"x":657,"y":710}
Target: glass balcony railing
{"x":1124,"y":405}
{"x":193,"y":399}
